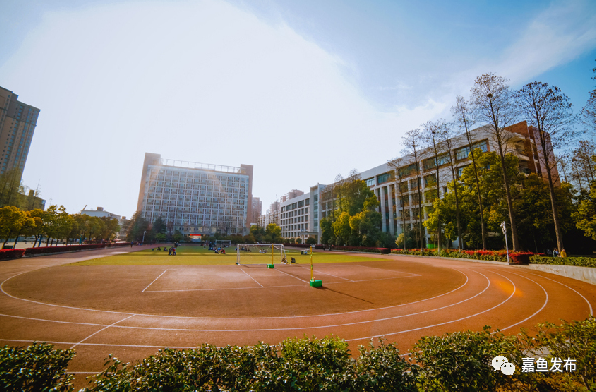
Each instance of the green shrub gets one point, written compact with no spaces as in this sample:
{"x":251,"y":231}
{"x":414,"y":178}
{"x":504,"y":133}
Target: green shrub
{"x":578,"y":261}
{"x":383,"y":369}
{"x":462,"y":360}
{"x":38,"y":367}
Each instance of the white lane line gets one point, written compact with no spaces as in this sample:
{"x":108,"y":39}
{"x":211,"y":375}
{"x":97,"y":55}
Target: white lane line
{"x":536,"y":312}
{"x":439,"y":324}
{"x":103,"y":329}
{"x":298,"y":328}
{"x":250,"y":277}
{"x":570,"y":288}
{"x":95,"y":344}
{"x":234,"y":318}
{"x":291,"y":275}
{"x":49,"y":321}
{"x":153,"y":281}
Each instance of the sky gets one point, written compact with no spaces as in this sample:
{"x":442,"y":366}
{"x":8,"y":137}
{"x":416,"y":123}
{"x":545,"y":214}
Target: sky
{"x":302,"y":90}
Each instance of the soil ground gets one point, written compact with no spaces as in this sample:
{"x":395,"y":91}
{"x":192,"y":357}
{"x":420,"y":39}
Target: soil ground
{"x":112,"y":301}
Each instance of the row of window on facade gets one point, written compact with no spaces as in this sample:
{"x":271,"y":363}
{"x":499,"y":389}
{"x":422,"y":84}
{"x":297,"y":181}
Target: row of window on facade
{"x":427,"y":164}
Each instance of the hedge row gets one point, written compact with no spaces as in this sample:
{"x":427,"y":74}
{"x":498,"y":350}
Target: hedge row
{"x":7,"y":254}
{"x":579,"y":261}
{"x":534,"y":258}
{"x":361,"y":249}
{"x":451,"y":362}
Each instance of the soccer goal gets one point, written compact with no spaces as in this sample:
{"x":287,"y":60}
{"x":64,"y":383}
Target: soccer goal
{"x":224,"y":243}
{"x":260,"y":254}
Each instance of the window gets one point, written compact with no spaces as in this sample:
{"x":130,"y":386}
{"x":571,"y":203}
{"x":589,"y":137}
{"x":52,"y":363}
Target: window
{"x":385,"y":177}
{"x":370,"y":182}
{"x":407,"y":171}
{"x":464,"y":152}
{"x":307,"y":203}
{"x":430,"y":180}
{"x":460,"y":170}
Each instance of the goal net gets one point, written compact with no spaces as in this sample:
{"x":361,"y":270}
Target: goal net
{"x":260,"y":254}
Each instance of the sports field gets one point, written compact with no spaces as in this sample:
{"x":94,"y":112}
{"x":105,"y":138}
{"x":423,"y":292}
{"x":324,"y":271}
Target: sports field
{"x":198,"y":255}
{"x":132,"y":301}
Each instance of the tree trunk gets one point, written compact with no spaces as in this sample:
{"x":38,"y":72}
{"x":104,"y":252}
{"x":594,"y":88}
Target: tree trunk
{"x":553,"y":203}
{"x":514,"y":240}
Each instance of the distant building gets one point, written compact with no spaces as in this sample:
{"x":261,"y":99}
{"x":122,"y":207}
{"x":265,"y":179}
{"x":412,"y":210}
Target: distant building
{"x":30,"y":201}
{"x":17,"y":124}
{"x":300,"y":214}
{"x":101,"y":213}
{"x":257,"y":210}
{"x":196,"y":198}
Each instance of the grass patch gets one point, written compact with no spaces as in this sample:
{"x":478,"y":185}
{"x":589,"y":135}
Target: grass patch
{"x":195,"y":255}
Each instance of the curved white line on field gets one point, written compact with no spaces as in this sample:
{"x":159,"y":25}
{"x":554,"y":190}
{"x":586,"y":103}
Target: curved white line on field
{"x":536,"y":312}
{"x":229,"y":318}
{"x":291,"y":328}
{"x":439,"y":324}
{"x":570,"y":288}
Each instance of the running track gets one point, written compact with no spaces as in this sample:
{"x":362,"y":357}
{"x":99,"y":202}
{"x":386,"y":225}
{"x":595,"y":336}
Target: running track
{"x":475,"y":294}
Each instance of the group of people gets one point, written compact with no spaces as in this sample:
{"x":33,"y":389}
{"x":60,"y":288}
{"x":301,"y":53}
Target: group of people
{"x":555,"y":253}
{"x":171,"y":250}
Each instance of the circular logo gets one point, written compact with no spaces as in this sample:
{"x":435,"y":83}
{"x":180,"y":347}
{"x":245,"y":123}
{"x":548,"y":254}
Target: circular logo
{"x":498,"y":361}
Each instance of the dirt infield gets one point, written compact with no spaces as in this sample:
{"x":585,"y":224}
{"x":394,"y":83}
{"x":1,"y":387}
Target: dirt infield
{"x":132,"y":310}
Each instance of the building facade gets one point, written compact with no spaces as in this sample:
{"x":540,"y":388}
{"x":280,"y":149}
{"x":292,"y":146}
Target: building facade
{"x":195,"y":198}
{"x":398,"y":186}
{"x":257,"y":211}
{"x":17,"y":124}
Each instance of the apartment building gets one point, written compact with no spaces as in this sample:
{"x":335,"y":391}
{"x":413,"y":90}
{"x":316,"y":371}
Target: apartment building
{"x":17,"y":124}
{"x":196,"y":198}
{"x":300,"y":214}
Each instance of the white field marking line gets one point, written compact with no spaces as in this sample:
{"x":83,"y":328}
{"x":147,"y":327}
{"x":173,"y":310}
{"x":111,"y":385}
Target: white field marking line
{"x":570,"y":288}
{"x":291,"y":275}
{"x":49,"y":321}
{"x":96,"y":344}
{"x":48,"y":304}
{"x":251,"y":277}
{"x":153,"y":281}
{"x":404,"y":275}
{"x":439,"y":324}
{"x":233,"y":318}
{"x":536,"y":312}
{"x":220,"y":289}
{"x":319,"y":326}
{"x":103,"y":329}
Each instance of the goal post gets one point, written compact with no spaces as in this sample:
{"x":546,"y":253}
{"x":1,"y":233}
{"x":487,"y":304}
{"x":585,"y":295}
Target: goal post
{"x":259,"y":254}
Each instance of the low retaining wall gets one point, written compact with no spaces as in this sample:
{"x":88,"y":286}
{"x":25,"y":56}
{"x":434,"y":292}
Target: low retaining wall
{"x":585,"y":274}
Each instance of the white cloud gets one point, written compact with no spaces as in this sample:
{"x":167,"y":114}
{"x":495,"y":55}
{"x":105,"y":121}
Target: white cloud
{"x":197,"y":81}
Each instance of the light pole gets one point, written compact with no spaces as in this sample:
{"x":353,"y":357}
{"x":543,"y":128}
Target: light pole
{"x":143,"y":240}
{"x":504,"y":228}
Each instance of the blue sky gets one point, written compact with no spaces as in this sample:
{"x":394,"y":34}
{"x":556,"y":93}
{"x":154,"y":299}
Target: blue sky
{"x":302,"y":90}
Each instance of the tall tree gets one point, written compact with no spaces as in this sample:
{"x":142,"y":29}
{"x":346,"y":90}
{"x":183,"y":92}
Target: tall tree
{"x":433,"y":136}
{"x":494,"y":104}
{"x":402,"y":188}
{"x":465,"y":119}
{"x":446,"y":137}
{"x":549,"y":111}
{"x":10,"y":187}
{"x":12,"y":221}
{"x":412,"y":146}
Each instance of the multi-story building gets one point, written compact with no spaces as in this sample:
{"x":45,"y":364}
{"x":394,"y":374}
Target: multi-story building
{"x":101,"y":213}
{"x":196,"y":198}
{"x":272,"y":214}
{"x":257,"y":210}
{"x":396,"y":184}
{"x":300,"y":215}
{"x":17,"y":124}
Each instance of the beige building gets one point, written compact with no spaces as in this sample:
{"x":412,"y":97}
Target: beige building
{"x":17,"y":124}
{"x":196,"y":198}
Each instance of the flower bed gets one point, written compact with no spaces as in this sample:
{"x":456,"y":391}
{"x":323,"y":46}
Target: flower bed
{"x":9,"y":254}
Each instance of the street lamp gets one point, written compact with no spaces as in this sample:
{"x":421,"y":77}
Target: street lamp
{"x":143,"y":240}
